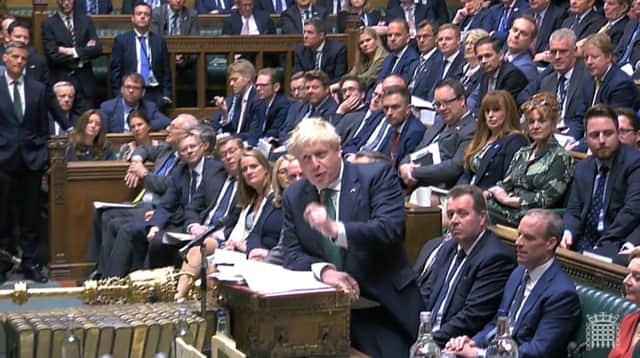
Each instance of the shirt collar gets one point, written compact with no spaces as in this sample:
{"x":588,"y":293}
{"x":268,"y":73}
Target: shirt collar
{"x":10,"y":80}
{"x":321,"y":47}
{"x":138,"y":34}
{"x":404,"y":49}
{"x":568,"y":74}
{"x":64,"y":17}
{"x":536,"y":273}
{"x":452,"y":57}
{"x":468,"y":252}
{"x":199,"y":167}
{"x":428,"y":55}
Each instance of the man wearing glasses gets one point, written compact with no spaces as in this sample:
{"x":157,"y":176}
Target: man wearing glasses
{"x":449,"y":136}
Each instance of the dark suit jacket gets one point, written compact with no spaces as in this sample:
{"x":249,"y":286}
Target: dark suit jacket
{"x":171,"y":208}
{"x":372,"y":19}
{"x":124,"y":60}
{"x":297,"y":112}
{"x":65,"y":121}
{"x":452,"y":144}
{"x":626,"y":40}
{"x":573,"y":100}
{"x":127,"y":5}
{"x":548,"y":319}
{"x":353,"y":145}
{"x":104,"y":7}
{"x":426,"y":76}
{"x":24,"y":145}
{"x":551,"y":21}
{"x":438,"y":9}
{"x":251,"y":114}
{"x":617,"y":30}
{"x":266,"y":230}
{"x":455,"y":70}
{"x":524,"y":62}
{"x":495,"y":162}
{"x":408,"y":140}
{"x":520,"y":7}
{"x":405,"y":67}
{"x":292,"y":19}
{"x":426,"y":251}
{"x":591,"y":23}
{"x":161,"y":21}
{"x":269,"y":125}
{"x":476,"y":294}
{"x":510,"y":79}
{"x":206,"y":197}
{"x":333,"y":61}
{"x":267,"y":5}
{"x":112,"y":113}
{"x":36,"y":66}
{"x":370,"y":208}
{"x":616,"y":89}
{"x":622,"y":199}
{"x":159,"y":154}
{"x":346,"y":124}
{"x":66,"y":68}
{"x":421,"y":12}
{"x":483,"y":19}
{"x":232,"y":24}
{"x":206,"y":6}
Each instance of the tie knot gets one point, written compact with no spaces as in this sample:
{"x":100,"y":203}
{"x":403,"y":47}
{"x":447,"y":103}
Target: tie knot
{"x":461,"y":254}
{"x":326,"y":194}
{"x":15,"y":83}
{"x":67,"y":18}
{"x":142,"y":37}
{"x":603,"y":169}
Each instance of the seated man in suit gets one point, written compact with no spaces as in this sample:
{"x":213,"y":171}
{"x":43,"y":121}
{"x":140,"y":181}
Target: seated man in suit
{"x":350,"y":236}
{"x":294,"y":18}
{"x":470,"y":270}
{"x":400,"y":132}
{"x":497,"y":74}
{"x":236,"y":112}
{"x":140,"y":50}
{"x":412,"y":13}
{"x":627,"y":51}
{"x":298,"y":93}
{"x":248,"y":21}
{"x":273,"y":6}
{"x":452,"y":56}
{"x":36,"y":65}
{"x":351,"y":109}
{"x":214,"y":6}
{"x":503,"y":14}
{"x":93,"y":7}
{"x":472,"y":15}
{"x":607,"y":84}
{"x":549,"y":17}
{"x":522,"y":33}
{"x":451,"y":134}
{"x":427,"y":71}
{"x":274,"y":106}
{"x":107,"y":223}
{"x":424,"y":265}
{"x":583,"y":19}
{"x":367,"y":120}
{"x":114,"y":112}
{"x":403,"y":57}
{"x":541,"y":301}
{"x":628,"y":127}
{"x":437,"y":8}
{"x":320,"y":53}
{"x":61,"y":124}
{"x":566,"y":81}
{"x":602,"y":213}
{"x":615,"y":11}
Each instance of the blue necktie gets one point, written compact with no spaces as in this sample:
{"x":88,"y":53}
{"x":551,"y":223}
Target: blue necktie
{"x":166,"y":167}
{"x":231,"y":115}
{"x":504,"y":19}
{"x":144,"y":59}
{"x":193,"y":185}
{"x":278,"y":6}
{"x":591,"y":232}
{"x":627,"y":51}
{"x":225,"y":201}
{"x":457,"y":260}
{"x":517,"y":298}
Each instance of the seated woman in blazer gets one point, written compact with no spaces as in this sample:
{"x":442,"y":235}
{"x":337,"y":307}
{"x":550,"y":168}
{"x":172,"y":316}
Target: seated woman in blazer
{"x":260,"y":217}
{"x":498,"y":136}
{"x":87,"y":141}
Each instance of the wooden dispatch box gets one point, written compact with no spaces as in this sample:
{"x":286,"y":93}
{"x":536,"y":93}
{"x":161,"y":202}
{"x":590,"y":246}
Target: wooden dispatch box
{"x":287,"y":325}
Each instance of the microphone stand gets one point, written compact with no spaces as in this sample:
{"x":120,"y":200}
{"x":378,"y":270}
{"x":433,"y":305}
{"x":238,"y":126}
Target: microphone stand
{"x":203,"y":281}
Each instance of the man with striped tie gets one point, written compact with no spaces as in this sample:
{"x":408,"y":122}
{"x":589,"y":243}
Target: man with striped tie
{"x":539,"y":298}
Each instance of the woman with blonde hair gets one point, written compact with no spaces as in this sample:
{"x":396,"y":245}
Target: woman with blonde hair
{"x":539,"y":173}
{"x":369,"y":56}
{"x":498,"y":136}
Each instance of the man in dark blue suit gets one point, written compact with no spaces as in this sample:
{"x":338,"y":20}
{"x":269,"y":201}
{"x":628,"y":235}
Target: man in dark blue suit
{"x":548,"y":17}
{"x":521,"y":35}
{"x":602,"y":213}
{"x":93,"y":7}
{"x":615,"y":11}
{"x":114,"y":112}
{"x":214,"y":6}
{"x":403,"y":58}
{"x":36,"y":68}
{"x":426,"y":73}
{"x":412,"y":13}
{"x":294,"y":18}
{"x":24,"y":130}
{"x":607,"y":84}
{"x":344,"y":222}
{"x":145,"y":52}
{"x":464,"y":290}
{"x":367,"y":122}
{"x":247,"y":20}
{"x":273,"y":6}
{"x":472,"y":15}
{"x":452,"y":56}
{"x":70,"y":43}
{"x":352,"y":109}
{"x":503,"y":14}
{"x":540,"y":300}
{"x":274,"y":106}
{"x":432,"y":10}
{"x":61,"y":118}
{"x":583,"y":19}
{"x":236,"y":113}
{"x":320,"y":53}
{"x":626,"y":50}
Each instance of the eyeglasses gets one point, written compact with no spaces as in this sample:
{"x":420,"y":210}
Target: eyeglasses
{"x":444,"y":103}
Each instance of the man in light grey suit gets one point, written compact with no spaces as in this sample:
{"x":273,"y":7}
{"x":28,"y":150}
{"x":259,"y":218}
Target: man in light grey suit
{"x":453,"y":131}
{"x":568,"y":70}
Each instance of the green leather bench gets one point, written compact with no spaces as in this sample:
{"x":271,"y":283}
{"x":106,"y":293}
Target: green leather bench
{"x":601,"y":316}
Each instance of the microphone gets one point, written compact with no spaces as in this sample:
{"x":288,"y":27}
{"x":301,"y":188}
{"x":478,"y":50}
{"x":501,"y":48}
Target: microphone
{"x":574,"y":350}
{"x":198,"y":240}
{"x":5,"y":255}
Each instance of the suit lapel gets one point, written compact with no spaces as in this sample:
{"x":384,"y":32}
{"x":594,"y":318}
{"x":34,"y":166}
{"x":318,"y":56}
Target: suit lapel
{"x":543,"y":283}
{"x":349,"y":193}
{"x":311,"y":195}
{"x":4,"y":93}
{"x":437,"y":128}
{"x":488,"y":157}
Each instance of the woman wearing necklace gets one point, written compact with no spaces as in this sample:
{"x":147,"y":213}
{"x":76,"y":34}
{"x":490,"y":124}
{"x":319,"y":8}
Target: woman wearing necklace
{"x":498,"y":136}
{"x":540,"y":173}
{"x":87,"y":141}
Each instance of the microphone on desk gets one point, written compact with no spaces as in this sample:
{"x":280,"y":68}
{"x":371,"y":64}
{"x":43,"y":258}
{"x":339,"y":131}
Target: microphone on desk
{"x":7,"y":256}
{"x":198,"y":240}
{"x":574,"y":350}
